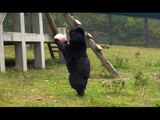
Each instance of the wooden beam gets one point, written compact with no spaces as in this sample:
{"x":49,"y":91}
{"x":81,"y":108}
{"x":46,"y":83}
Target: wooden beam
{"x":71,"y":19}
{"x":39,"y":56}
{"x":105,"y":62}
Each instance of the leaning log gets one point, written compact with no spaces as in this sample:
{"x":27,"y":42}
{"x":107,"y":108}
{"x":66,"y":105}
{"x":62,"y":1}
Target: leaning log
{"x":51,"y":23}
{"x":96,"y":48}
{"x":98,"y":51}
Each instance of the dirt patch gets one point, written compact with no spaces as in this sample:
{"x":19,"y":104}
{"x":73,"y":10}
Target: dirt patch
{"x":156,"y":75}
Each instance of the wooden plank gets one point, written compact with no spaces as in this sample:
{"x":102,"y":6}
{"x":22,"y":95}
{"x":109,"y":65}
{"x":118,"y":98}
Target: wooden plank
{"x":29,"y":37}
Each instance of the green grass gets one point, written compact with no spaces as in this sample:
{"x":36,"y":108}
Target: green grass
{"x":50,"y":87}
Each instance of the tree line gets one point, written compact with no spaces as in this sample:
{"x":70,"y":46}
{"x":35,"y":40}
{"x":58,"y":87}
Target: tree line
{"x":123,"y":30}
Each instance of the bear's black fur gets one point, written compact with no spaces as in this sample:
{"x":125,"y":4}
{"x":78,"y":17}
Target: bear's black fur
{"x":77,"y":62}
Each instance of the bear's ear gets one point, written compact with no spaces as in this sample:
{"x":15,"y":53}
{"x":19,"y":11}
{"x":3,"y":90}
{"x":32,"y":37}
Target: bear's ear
{"x":80,"y":30}
{"x":76,"y":30}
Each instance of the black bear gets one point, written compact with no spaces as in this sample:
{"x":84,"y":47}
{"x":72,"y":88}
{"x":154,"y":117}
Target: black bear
{"x":77,"y":62}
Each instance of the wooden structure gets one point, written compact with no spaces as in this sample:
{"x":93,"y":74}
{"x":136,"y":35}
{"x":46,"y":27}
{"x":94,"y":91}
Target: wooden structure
{"x":19,"y":38}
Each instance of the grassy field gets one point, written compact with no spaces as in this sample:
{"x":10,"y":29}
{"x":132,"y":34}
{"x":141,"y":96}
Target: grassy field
{"x":138,"y":86}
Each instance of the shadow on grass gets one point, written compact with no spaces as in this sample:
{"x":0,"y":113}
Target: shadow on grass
{"x":10,"y":63}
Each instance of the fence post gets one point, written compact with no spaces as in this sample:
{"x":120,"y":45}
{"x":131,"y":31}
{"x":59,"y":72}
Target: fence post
{"x":146,"y":36}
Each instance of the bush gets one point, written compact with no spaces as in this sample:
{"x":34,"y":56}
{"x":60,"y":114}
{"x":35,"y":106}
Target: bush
{"x":140,"y":80}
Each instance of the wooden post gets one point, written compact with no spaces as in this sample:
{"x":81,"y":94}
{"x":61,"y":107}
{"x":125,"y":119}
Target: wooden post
{"x":39,"y":56}
{"x":2,"y":58}
{"x":20,"y":47}
{"x":94,"y":47}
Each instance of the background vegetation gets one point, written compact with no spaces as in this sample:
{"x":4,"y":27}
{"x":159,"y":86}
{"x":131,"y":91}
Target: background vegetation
{"x":125,"y":30}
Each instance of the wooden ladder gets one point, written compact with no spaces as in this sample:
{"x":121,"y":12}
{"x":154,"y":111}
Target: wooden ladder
{"x":52,"y":48}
